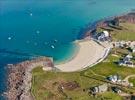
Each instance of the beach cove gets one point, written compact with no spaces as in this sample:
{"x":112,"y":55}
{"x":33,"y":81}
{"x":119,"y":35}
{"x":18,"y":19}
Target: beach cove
{"x":89,"y":54}
{"x":45,"y":30}
{"x":20,"y":88}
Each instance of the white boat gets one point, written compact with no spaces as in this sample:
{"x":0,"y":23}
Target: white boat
{"x":55,"y":40}
{"x":31,"y":14}
{"x":9,"y":38}
{"x":52,"y":47}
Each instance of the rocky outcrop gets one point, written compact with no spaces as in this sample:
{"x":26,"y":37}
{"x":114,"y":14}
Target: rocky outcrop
{"x":130,"y":18}
{"x":19,"y":78}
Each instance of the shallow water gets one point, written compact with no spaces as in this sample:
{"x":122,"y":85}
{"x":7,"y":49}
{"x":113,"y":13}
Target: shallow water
{"x":47,"y":27}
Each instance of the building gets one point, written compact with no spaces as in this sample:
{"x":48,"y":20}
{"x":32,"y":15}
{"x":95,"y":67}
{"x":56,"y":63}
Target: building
{"x":121,"y":44}
{"x":103,"y":36}
{"x":127,"y":61}
{"x":132,"y":47}
{"x":114,"y":78}
{"x":100,"y":89}
{"x":129,"y":56}
{"x":116,"y":90}
{"x":133,"y":50}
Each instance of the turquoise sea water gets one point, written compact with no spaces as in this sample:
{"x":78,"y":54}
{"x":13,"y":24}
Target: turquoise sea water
{"x":48,"y":27}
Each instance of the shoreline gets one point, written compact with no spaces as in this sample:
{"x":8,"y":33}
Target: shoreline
{"x":76,"y":42}
{"x":88,"y":36}
{"x":73,"y":54}
{"x":20,"y":76}
{"x":99,"y":23}
{"x":89,"y":53}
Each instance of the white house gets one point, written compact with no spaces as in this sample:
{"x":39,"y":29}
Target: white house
{"x":116,"y":90}
{"x":133,"y":50}
{"x":132,"y":46}
{"x":106,"y":33}
{"x":127,"y":61}
{"x":114,"y":78}
{"x":100,"y":89}
{"x":103,"y":36}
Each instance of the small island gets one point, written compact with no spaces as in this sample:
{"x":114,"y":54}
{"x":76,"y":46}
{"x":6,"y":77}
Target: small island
{"x":103,"y":68}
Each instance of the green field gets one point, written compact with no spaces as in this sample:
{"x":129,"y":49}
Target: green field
{"x":43,"y":88}
{"x":126,"y":31}
{"x":132,"y":80}
{"x":45,"y":84}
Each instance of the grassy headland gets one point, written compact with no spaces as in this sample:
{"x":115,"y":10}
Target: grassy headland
{"x":45,"y":85}
{"x":125,"y":31}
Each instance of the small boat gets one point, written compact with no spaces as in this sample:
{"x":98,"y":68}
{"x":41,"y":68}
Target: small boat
{"x":55,"y":40}
{"x":52,"y":47}
{"x":9,"y":38}
{"x":31,"y":14}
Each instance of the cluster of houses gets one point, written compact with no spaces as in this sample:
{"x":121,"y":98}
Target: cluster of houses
{"x":127,"y":61}
{"x":118,"y":80}
{"x":99,"y":89}
{"x":103,"y":36}
{"x":115,"y":79}
{"x":104,"y":88}
{"x":123,"y":44}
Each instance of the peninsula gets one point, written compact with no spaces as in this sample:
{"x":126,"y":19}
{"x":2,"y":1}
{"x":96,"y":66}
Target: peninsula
{"x":40,"y":79}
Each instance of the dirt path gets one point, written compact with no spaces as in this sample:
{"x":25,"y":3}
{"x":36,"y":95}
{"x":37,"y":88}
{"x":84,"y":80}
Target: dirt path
{"x":127,"y":78}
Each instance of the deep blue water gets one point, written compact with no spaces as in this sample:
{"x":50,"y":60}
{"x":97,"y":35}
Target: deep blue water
{"x":32,"y":28}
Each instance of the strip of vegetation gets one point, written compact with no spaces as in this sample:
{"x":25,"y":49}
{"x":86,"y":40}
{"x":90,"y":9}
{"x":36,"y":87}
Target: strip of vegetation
{"x":45,"y":84}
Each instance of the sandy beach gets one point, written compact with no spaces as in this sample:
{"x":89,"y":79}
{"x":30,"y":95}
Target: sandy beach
{"x":90,"y":52}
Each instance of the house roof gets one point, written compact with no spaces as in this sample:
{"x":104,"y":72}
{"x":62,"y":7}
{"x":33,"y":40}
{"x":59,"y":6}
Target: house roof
{"x":129,"y":56}
{"x":106,"y":33}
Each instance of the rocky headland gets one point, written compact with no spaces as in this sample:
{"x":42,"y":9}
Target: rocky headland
{"x":130,"y":18}
{"x":19,"y":78}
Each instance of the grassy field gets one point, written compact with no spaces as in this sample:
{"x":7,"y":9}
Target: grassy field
{"x":132,"y":80}
{"x":45,"y":84}
{"x":126,"y":31}
{"x":109,"y":67}
{"x":43,"y":87}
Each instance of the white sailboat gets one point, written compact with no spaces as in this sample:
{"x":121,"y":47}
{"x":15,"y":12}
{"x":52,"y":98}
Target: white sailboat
{"x":31,"y":14}
{"x":52,"y":46}
{"x":9,"y":38}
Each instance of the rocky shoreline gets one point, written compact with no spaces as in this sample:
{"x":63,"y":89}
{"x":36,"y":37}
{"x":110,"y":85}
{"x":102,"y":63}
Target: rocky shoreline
{"x":129,"y":17}
{"x":19,"y":78}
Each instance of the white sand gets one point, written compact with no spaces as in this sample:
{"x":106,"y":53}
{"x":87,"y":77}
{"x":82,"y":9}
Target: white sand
{"x":89,"y":53}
